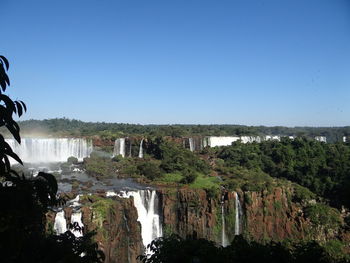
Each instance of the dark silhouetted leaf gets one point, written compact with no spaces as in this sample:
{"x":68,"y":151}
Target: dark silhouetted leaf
{"x":14,"y":156}
{"x":51,"y":180}
{"x":8,"y":102}
{"x":24,"y":105}
{"x":19,"y":108}
{"x":7,"y":64}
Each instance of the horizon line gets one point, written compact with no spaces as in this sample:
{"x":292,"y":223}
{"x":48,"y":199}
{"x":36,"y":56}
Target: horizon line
{"x":183,"y":124}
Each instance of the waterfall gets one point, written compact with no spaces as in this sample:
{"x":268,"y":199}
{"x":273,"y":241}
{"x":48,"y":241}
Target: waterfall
{"x":222,"y":140}
{"x":239,"y":213}
{"x":119,"y":147}
{"x":224,"y":242}
{"x":60,"y":225}
{"x":272,"y":138}
{"x":191,"y":143}
{"x":196,"y":143}
{"x":74,"y":202}
{"x":141,"y":150}
{"x":147,"y":206}
{"x":35,"y":150}
{"x":213,"y":141}
{"x":321,"y":138}
{"x":250,"y":139}
{"x":76,"y":218}
{"x":111,"y":194}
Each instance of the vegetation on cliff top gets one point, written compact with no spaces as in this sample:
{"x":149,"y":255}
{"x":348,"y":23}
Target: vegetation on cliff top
{"x":249,"y":167}
{"x":322,"y":168}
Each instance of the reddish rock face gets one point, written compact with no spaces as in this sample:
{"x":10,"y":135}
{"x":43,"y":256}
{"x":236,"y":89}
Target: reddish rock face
{"x":188,"y":212}
{"x":270,"y":216}
{"x":97,"y":141}
{"x":267,"y":215}
{"x":118,"y":232}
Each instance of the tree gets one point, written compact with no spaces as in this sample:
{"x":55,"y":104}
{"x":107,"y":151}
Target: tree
{"x":24,"y":202}
{"x":191,"y":250}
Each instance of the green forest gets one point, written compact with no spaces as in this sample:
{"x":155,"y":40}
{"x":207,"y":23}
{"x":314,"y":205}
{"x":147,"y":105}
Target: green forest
{"x":314,"y":170}
{"x":315,"y":176}
{"x":70,"y":127}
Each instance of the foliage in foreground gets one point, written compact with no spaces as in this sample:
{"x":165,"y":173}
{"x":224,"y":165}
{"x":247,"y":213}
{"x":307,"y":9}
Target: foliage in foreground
{"x":24,"y":202}
{"x":174,"y":249}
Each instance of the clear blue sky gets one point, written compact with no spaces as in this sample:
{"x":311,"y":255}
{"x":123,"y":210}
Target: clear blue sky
{"x":254,"y":62}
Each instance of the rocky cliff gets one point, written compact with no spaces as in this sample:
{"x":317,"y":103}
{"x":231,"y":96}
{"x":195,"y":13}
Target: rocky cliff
{"x":189,"y":212}
{"x":269,"y":214}
{"x":264,"y":215}
{"x":115,"y":221}
{"x":118,"y":233}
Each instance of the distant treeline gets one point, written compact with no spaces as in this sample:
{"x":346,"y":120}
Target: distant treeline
{"x":68,"y":127}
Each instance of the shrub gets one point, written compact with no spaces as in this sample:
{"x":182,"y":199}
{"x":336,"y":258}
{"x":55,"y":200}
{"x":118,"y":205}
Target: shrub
{"x":117,"y":158}
{"x":277,"y":205}
{"x":212,"y":192}
{"x":205,"y":182}
{"x":149,"y":169}
{"x":171,"y":177}
{"x":130,"y":170}
{"x":335,"y":249}
{"x":100,"y":166}
{"x":188,"y":177}
{"x":321,"y":214}
{"x":302,"y":194}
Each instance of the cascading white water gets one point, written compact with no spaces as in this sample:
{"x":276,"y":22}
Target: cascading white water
{"x":141,"y":149}
{"x":272,"y":138}
{"x":76,"y":218}
{"x":213,"y":141}
{"x":239,"y":213}
{"x":224,"y":242}
{"x":250,"y":139}
{"x":321,"y":138}
{"x":119,"y":147}
{"x":60,"y":225}
{"x":222,"y":140}
{"x":191,"y":143}
{"x":37,"y":150}
{"x":130,"y":148}
{"x":146,"y":203}
{"x":196,"y":143}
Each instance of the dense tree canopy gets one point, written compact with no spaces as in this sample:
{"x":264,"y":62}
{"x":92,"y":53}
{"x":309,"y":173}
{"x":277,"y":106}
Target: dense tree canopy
{"x":174,"y":249}
{"x":323,"y":168}
{"x":67,"y":127}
